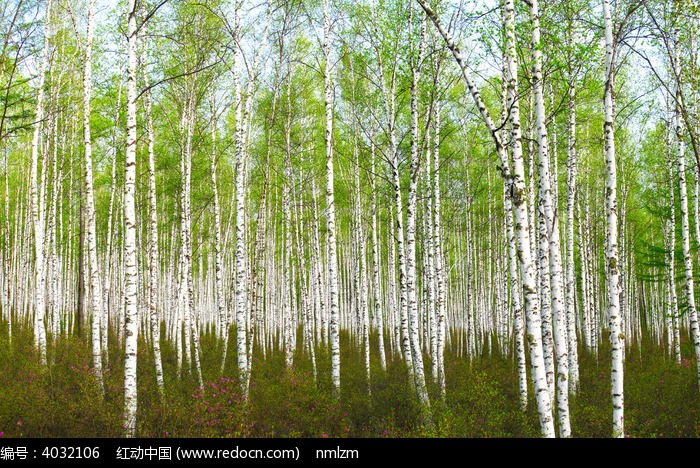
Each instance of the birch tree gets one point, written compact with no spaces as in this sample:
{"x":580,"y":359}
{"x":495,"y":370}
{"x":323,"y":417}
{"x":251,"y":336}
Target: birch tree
{"x":683,"y":195}
{"x":416,"y":350}
{"x":240,"y":161}
{"x":153,"y":252}
{"x":611,"y":238}
{"x":516,"y":184}
{"x":37,"y":200}
{"x":550,"y":249}
{"x":95,"y":282}
{"x":130,"y":260}
{"x":330,"y":206}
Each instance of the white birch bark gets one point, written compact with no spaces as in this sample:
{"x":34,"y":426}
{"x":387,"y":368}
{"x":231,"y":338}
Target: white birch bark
{"x":130,"y":259}
{"x":37,"y":213}
{"x":287,"y":276}
{"x":571,"y":174}
{"x":685,"y":240}
{"x":221,"y":312}
{"x":152,"y":237}
{"x":617,"y":339}
{"x":416,"y":351}
{"x":441,"y":298}
{"x":53,"y":304}
{"x":673,"y":319}
{"x":377,"y":295}
{"x":683,"y":195}
{"x":330,"y":207}
{"x":401,"y":256}
{"x":402,"y":316}
{"x":429,"y":263}
{"x":106,"y":290}
{"x":518,"y":325}
{"x":94,"y":272}
{"x":391,"y":286}
{"x":551,"y":248}
{"x":241,"y":252}
{"x":7,"y":258}
{"x":518,"y":193}
{"x":515,"y":289}
{"x":361,"y":279}
{"x":258,"y":276}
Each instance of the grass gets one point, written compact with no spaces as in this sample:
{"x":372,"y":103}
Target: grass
{"x":63,"y":400}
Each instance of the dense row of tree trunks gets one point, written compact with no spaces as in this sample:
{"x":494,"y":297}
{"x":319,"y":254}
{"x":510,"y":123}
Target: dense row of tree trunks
{"x":414,"y":250}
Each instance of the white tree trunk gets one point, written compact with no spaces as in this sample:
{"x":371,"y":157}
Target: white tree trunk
{"x":241,"y":285}
{"x":411,"y":207}
{"x":441,"y":291}
{"x":361,"y":252}
{"x":685,"y":223}
{"x":551,"y":235}
{"x":378,"y":309}
{"x":153,"y":254}
{"x":38,"y":215}
{"x":108,"y":248}
{"x":130,"y":254}
{"x":685,"y":241}
{"x":330,"y":207}
{"x":429,"y":263}
{"x":7,"y":258}
{"x":517,"y":187}
{"x":287,"y":277}
{"x":94,"y":272}
{"x":611,"y":238}
{"x":515,"y":288}
{"x":221,"y":312}
{"x":571,"y":175}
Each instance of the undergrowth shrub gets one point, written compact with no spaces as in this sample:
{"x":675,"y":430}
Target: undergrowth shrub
{"x":63,"y":398}
{"x":293,"y":406}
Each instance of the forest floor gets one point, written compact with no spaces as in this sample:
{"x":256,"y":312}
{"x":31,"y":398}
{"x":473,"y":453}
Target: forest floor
{"x":661,"y":396}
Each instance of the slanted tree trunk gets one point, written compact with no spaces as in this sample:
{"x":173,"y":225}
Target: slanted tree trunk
{"x":516,"y":184}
